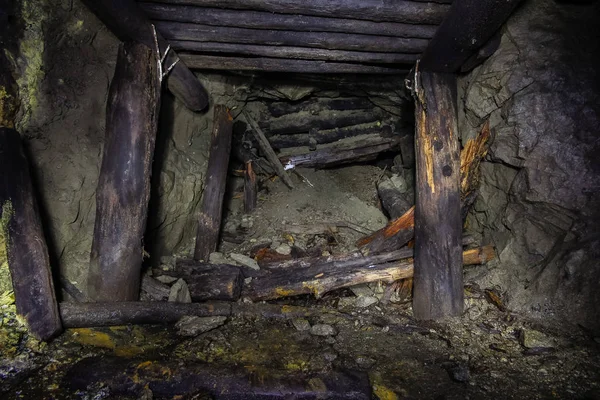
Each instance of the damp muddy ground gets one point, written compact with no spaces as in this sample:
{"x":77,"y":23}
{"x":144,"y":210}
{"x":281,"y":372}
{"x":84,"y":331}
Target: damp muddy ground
{"x":487,"y":353}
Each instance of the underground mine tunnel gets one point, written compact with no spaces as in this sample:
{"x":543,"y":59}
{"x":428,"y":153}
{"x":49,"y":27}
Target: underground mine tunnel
{"x":263,"y":199}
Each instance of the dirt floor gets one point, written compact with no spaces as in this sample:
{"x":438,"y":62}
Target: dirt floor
{"x":350,"y":345}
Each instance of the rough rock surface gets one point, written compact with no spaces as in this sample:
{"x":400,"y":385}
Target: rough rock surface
{"x":539,"y":202}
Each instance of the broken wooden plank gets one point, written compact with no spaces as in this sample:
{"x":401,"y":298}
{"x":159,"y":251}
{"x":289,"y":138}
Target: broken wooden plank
{"x":208,"y":281}
{"x":323,"y":40}
{"x":209,"y":221}
{"x":250,"y":188}
{"x":267,"y":150}
{"x":200,"y":61}
{"x":467,"y":27}
{"x":317,"y":105}
{"x":131,"y":378}
{"x":470,"y":160}
{"x":411,"y":12}
{"x":359,"y":148}
{"x":438,"y":281}
{"x":124,"y":184}
{"x":26,"y":249}
{"x":294,"y":52}
{"x":129,"y":23}
{"x":394,"y":201}
{"x":322,"y":277}
{"x":291,"y":22}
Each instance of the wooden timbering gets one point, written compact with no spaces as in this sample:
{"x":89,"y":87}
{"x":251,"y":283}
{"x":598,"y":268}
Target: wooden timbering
{"x":250,"y":188}
{"x":129,"y":23}
{"x":209,"y":221}
{"x":438,"y":279}
{"x":124,"y":183}
{"x":27,"y":253}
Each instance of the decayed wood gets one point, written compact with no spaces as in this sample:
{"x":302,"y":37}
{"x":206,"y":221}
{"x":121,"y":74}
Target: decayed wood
{"x":438,"y":281}
{"x":250,"y":188}
{"x":198,"y":61}
{"x":315,"y":105}
{"x":393,"y":236}
{"x":269,"y":20}
{"x":128,"y":22}
{"x":467,"y":27}
{"x":209,"y":221}
{"x":322,"y":40}
{"x":329,"y":135}
{"x":359,"y":148}
{"x":320,"y":278}
{"x":207,"y":281}
{"x":292,"y":52}
{"x":393,"y":201}
{"x":26,"y":249}
{"x":123,"y":188}
{"x":81,"y":315}
{"x":305,"y":121}
{"x":172,"y":379}
{"x":267,"y":150}
{"x":412,"y":12}
{"x":470,"y":160}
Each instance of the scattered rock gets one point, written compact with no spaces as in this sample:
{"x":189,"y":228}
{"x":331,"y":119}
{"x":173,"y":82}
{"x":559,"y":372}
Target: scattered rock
{"x":217,"y":258}
{"x":168,"y":262}
{"x":247,"y":280}
{"x":361,"y":290}
{"x":301,"y":324}
{"x":364,"y":362}
{"x":193,"y":326}
{"x":246,"y":223}
{"x":284,"y":249}
{"x":329,"y":356}
{"x":180,"y":293}
{"x":166,"y":279}
{"x":365,"y":301}
{"x":323,"y":330}
{"x":245,"y":261}
{"x":458,"y":372}
{"x":344,"y":302}
{"x":531,"y":338}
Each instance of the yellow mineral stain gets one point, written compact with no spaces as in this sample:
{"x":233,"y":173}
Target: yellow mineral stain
{"x":283,"y":292}
{"x":317,"y":385}
{"x":91,"y":337}
{"x":381,"y":391}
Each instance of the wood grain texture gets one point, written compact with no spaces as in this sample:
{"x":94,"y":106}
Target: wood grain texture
{"x":123,"y":188}
{"x":209,"y":220}
{"x":26,"y":248}
{"x":438,"y":279}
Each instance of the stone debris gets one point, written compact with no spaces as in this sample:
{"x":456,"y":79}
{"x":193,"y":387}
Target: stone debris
{"x":301,"y":324}
{"x":245,"y":261}
{"x":180,"y":293}
{"x":166,"y":279}
{"x":532,"y":339}
{"x":193,"y":326}
{"x":284,"y":249}
{"x":365,"y":301}
{"x":323,"y":330}
{"x":218,"y":258}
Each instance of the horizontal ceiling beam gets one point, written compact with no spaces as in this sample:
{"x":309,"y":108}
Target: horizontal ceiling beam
{"x":467,"y":27}
{"x":404,"y":11}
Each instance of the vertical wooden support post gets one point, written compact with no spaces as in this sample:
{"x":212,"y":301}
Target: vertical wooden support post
{"x":26,"y":248}
{"x":438,"y":279}
{"x":209,"y":221}
{"x":250,"y":190}
{"x":124,"y":183}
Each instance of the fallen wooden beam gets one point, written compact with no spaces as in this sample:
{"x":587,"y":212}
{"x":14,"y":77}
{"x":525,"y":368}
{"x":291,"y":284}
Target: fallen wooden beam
{"x":411,"y":12}
{"x":124,"y":184}
{"x":438,"y":281}
{"x":329,"y":135}
{"x":466,"y":28}
{"x":209,"y":221}
{"x":394,"y":201}
{"x":315,"y":105}
{"x":322,"y":40}
{"x":26,"y":249}
{"x":292,"y":52}
{"x":87,"y":315}
{"x":208,"y":281}
{"x":304,"y":121}
{"x":359,"y":148}
{"x":250,"y":188}
{"x":129,"y":23}
{"x":319,"y":279}
{"x":290,"y":22}
{"x":172,"y":379}
{"x":267,"y":150}
{"x":198,"y":61}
